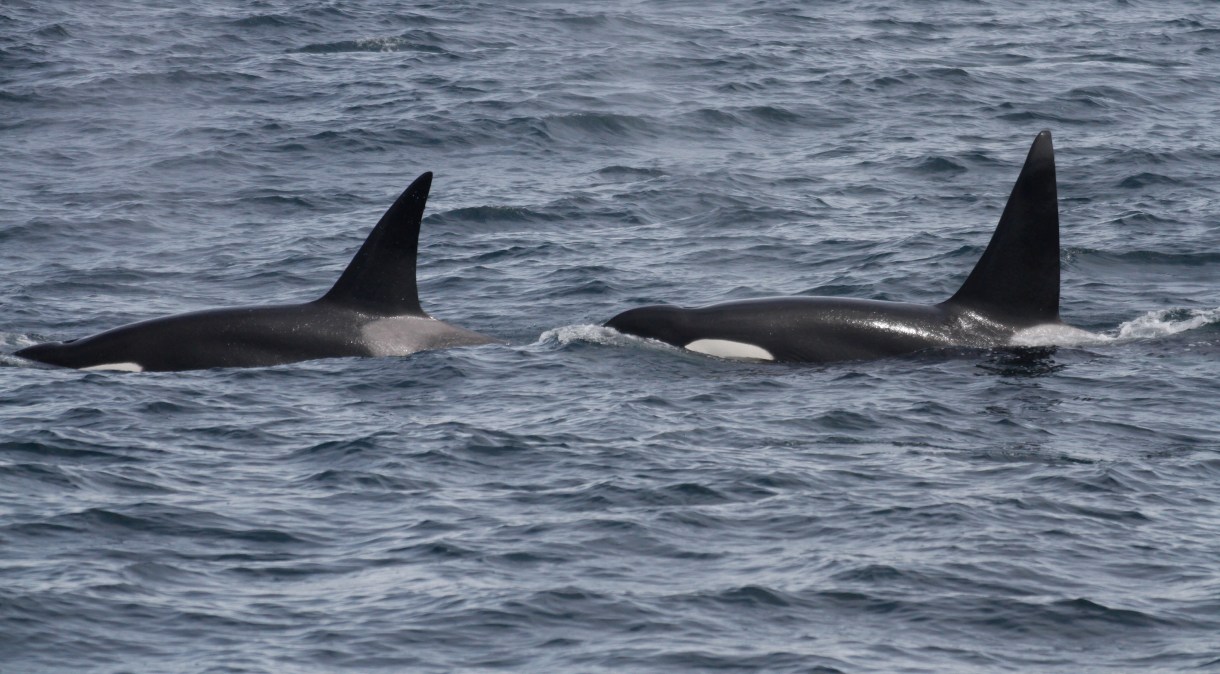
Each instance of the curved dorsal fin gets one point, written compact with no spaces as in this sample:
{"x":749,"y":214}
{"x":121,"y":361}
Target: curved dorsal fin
{"x":1017,"y":277}
{"x":381,"y":277}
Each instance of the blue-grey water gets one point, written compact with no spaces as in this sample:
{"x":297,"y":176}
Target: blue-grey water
{"x":572,"y":500}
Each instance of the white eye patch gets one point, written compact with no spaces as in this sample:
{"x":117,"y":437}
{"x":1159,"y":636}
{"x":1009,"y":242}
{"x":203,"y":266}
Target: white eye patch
{"x":725,"y":348}
{"x":117,"y":367}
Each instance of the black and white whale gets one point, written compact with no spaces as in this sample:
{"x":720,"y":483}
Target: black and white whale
{"x":1013,"y":290}
{"x":372,"y":310}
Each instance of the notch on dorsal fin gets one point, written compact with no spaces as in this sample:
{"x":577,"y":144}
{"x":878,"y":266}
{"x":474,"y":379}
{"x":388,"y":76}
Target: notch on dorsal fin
{"x":1017,"y":277}
{"x":381,"y":277}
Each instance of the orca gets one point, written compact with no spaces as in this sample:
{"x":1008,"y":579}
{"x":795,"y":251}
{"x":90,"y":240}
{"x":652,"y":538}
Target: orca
{"x":1014,"y":287}
{"x":372,"y":310}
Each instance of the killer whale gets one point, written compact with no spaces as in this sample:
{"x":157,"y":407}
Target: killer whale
{"x":1013,"y":287}
{"x":372,"y":310}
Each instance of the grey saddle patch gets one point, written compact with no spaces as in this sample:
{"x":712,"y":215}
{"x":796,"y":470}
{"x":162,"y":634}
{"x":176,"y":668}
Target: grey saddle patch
{"x":404,"y":335}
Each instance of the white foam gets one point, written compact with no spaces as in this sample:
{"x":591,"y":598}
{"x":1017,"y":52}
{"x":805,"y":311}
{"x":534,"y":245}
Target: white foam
{"x":116,"y":367}
{"x":1167,"y":322}
{"x":17,"y":340}
{"x":725,"y":348}
{"x":588,"y":334}
{"x":1151,"y":325}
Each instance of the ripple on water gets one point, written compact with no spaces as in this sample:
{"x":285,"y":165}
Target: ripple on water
{"x":576,"y":499}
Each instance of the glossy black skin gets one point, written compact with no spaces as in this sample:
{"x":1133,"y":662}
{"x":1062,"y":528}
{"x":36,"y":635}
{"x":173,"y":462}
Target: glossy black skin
{"x":236,"y":337}
{"x":372,"y":310}
{"x":819,"y":329}
{"x":1014,"y":285}
{"x":256,"y":336}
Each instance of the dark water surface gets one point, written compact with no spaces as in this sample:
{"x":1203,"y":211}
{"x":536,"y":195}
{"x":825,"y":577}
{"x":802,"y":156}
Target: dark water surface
{"x":577,"y":501}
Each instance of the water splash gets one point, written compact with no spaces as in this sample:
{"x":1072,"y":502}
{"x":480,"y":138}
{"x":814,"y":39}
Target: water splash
{"x":1152,"y":325}
{"x":1167,"y":322}
{"x":12,"y":341}
{"x":584,"y":334}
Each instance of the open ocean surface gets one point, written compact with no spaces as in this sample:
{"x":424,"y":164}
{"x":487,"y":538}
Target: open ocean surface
{"x":576,"y":501}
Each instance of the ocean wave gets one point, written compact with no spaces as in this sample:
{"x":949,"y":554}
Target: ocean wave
{"x":581,"y":500}
{"x":425,"y":42}
{"x":491,"y":215}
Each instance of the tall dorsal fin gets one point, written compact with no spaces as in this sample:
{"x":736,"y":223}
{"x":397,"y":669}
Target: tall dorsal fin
{"x":1017,"y":278}
{"x":381,"y":277}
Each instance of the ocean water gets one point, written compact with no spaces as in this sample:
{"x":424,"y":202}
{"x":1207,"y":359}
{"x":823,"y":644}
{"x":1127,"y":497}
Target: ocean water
{"x":573,"y":500}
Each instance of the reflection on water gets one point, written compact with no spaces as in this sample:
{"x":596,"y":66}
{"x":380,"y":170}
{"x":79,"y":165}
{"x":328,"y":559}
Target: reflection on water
{"x":1025,"y":361}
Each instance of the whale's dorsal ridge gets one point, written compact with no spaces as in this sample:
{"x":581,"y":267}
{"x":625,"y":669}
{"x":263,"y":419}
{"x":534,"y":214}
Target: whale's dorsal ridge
{"x":1017,"y":277}
{"x":1014,"y":286}
{"x":381,"y":277}
{"x":372,"y":310}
